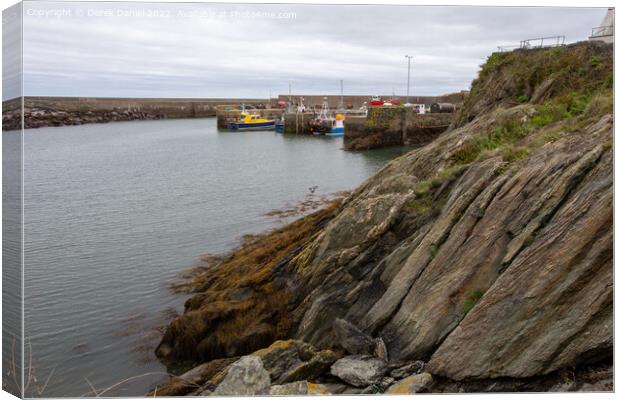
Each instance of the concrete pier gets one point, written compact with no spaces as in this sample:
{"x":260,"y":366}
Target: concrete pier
{"x":297,"y":122}
{"x":393,"y":126}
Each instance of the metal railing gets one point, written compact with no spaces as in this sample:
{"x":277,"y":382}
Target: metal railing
{"x":504,"y":49}
{"x":603,"y":31}
{"x":537,"y":43}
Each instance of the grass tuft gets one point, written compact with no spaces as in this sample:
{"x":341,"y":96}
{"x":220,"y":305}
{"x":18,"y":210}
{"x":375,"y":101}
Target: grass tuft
{"x":471,"y":300}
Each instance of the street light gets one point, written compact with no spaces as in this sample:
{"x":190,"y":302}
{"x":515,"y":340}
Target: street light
{"x":408,"y":74}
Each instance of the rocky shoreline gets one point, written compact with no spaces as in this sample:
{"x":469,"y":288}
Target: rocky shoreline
{"x":293,"y":367}
{"x":480,"y":262}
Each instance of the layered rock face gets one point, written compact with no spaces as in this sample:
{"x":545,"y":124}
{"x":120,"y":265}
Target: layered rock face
{"x":488,"y":252}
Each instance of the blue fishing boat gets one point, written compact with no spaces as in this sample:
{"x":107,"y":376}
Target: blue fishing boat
{"x":280,"y":125}
{"x":326,"y":125}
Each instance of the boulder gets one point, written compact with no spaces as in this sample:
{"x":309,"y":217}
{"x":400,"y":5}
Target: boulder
{"x":245,"y":377}
{"x":359,"y":370}
{"x":413,"y":384}
{"x":352,"y":339}
{"x":299,"y":388}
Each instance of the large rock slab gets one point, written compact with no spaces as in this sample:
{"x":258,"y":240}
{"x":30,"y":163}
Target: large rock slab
{"x":246,"y":377}
{"x":358,"y":370}
{"x":552,"y":308}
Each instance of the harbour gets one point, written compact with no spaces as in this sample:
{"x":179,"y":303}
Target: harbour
{"x":427,"y":206}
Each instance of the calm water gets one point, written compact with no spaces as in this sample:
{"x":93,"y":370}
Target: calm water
{"x":113,"y":212}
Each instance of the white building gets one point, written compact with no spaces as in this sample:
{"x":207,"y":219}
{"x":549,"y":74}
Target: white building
{"x":605,"y":32}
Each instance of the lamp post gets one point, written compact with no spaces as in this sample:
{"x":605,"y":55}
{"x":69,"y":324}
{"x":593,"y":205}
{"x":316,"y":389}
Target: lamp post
{"x":408,"y":74}
{"x":341,"y":94}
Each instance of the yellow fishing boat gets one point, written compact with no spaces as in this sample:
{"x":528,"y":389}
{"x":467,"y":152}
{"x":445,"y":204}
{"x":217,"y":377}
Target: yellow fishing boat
{"x":251,"y":121}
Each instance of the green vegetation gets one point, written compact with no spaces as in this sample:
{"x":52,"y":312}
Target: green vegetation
{"x":522,"y":98}
{"x":433,"y":251}
{"x":529,"y":240}
{"x":511,"y":154}
{"x":516,"y":75}
{"x":595,"y":61}
{"x":493,"y":61}
{"x":505,"y":136}
{"x":471,"y":301}
{"x":602,"y":103}
{"x":424,"y":202}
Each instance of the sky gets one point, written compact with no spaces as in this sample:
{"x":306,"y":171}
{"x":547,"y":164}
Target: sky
{"x":227,"y":50}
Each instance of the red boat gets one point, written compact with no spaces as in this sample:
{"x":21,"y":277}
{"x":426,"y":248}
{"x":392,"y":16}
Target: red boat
{"x":377,"y":101}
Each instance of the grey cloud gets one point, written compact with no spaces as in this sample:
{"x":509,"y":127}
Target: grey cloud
{"x":208,"y":56}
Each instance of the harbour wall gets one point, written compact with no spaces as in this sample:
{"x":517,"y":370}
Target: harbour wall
{"x":393,"y":126}
{"x":58,"y":111}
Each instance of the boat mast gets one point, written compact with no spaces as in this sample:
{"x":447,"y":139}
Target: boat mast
{"x":325,"y":109}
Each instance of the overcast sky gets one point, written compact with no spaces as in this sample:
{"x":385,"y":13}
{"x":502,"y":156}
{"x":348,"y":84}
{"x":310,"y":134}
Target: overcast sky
{"x":226,"y":50}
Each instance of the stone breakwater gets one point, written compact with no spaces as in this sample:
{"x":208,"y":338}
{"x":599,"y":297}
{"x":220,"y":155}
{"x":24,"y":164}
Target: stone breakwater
{"x":481,"y":261}
{"x":58,"y":111}
{"x":393,"y":126}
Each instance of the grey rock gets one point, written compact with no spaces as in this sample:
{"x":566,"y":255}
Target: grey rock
{"x":352,"y":339}
{"x":381,"y":351}
{"x":246,"y":377}
{"x":359,"y":370}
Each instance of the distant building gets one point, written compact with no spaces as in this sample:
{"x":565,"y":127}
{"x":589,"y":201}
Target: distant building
{"x":605,"y":32}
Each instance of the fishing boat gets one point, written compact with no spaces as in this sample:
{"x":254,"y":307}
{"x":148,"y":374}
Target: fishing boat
{"x":337,"y":126}
{"x":377,"y":101}
{"x":248,"y":121}
{"x":326,"y":125}
{"x":279,"y":124}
